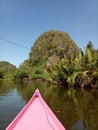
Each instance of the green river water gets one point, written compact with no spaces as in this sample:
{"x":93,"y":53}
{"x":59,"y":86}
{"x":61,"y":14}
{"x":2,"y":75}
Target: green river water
{"x":76,"y":109}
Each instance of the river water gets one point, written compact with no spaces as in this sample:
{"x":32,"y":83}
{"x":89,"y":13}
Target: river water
{"x":76,"y":109}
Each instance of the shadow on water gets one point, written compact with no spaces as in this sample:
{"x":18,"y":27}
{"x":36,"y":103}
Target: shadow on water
{"x":79,"y":125}
{"x":76,"y":109}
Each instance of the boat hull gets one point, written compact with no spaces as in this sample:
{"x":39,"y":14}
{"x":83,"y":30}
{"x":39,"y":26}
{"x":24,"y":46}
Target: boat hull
{"x":36,"y":115}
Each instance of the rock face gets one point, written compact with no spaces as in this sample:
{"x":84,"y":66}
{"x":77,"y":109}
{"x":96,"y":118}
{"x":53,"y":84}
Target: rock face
{"x":52,"y":45}
{"x":48,"y":49}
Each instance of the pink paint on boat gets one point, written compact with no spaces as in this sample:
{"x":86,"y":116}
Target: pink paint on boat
{"x":36,"y":115}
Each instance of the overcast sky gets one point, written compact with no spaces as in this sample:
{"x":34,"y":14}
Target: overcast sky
{"x":23,"y":21}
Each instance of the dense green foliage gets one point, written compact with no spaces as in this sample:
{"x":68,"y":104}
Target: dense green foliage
{"x":48,"y":49}
{"x":55,"y":57}
{"x":82,"y":71}
{"x":52,"y":44}
{"x":7,"y":70}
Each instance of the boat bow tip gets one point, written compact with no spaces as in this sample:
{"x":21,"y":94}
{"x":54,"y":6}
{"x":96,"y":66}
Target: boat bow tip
{"x":37,"y":93}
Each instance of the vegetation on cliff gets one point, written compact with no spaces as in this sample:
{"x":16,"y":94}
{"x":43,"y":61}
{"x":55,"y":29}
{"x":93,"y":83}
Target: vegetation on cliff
{"x":48,"y":50}
{"x":7,"y":70}
{"x":56,"y":57}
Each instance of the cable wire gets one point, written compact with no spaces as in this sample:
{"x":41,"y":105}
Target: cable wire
{"x":4,"y":39}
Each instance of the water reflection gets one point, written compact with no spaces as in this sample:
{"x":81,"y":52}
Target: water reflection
{"x":5,"y":87}
{"x":10,"y":103}
{"x":76,"y":109}
{"x":79,"y":125}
